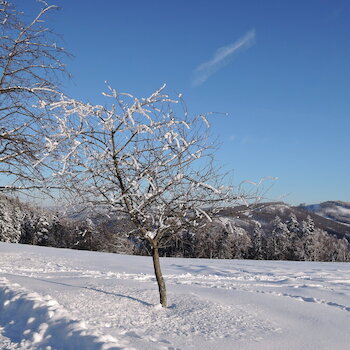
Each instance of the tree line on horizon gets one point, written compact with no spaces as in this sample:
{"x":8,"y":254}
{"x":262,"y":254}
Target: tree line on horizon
{"x":289,"y":240}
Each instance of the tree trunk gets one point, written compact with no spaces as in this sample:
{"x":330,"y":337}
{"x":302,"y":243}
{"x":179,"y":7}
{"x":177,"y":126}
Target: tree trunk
{"x":159,"y":277}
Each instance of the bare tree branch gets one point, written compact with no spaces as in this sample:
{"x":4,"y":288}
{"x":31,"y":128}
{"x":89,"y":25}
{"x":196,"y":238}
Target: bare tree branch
{"x":31,"y":65}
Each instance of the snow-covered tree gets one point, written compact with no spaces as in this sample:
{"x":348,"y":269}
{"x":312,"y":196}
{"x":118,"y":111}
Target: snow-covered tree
{"x":258,"y":250}
{"x":11,"y":217}
{"x":28,"y":229}
{"x":42,"y":230}
{"x":279,"y":242}
{"x":241,"y":243}
{"x":144,"y":157}
{"x":343,"y":250}
{"x":293,"y":224}
{"x":307,"y":227}
{"x":30,"y":65}
{"x":209,"y":243}
{"x":307,"y":239}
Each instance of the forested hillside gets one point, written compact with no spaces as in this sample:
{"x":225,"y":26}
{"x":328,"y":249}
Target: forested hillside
{"x":28,"y":224}
{"x":270,"y":231}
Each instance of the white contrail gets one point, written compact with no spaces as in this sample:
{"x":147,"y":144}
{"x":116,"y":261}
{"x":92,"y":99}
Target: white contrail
{"x":221,"y":58}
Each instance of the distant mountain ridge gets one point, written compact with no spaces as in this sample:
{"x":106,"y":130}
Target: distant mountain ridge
{"x":264,"y":213}
{"x":337,"y":211}
{"x":332,"y":216}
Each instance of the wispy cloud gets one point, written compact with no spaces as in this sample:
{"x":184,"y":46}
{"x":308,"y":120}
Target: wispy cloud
{"x":222,"y":57}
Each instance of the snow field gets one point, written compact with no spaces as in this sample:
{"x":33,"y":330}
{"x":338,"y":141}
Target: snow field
{"x":111,"y":301}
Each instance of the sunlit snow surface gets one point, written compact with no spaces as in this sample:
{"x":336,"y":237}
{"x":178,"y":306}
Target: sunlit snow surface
{"x":63,"y":299}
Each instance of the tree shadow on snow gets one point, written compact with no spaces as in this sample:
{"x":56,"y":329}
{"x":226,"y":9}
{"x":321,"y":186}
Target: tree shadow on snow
{"x":97,"y":290}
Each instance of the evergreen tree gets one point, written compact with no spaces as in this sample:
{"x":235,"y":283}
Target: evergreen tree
{"x":279,"y":242}
{"x":293,"y":224}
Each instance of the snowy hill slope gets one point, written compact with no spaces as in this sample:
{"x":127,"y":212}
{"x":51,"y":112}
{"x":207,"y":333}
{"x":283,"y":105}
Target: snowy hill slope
{"x":334,"y":210}
{"x":89,"y":300}
{"x":264,"y":213}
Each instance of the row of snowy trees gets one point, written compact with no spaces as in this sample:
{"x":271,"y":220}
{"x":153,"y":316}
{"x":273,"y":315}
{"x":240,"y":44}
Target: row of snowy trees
{"x":288,"y":240}
{"x":292,"y":240}
{"x":22,"y":223}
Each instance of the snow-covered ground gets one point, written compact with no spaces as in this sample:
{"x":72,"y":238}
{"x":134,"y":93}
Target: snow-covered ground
{"x":63,"y":299}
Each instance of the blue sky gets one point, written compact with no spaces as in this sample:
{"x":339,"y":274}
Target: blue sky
{"x":280,"y":69}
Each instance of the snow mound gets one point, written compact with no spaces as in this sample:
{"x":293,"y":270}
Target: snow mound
{"x":36,"y":322}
